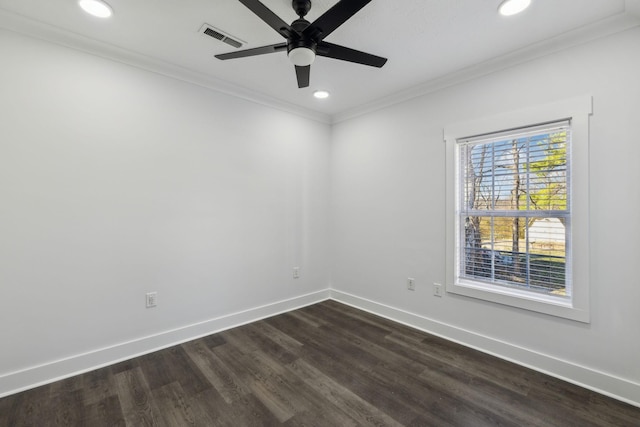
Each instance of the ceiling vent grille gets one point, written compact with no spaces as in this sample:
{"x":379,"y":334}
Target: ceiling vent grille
{"x":221,"y":35}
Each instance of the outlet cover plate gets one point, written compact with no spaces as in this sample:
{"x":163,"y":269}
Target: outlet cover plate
{"x":437,"y":289}
{"x":152,"y":299}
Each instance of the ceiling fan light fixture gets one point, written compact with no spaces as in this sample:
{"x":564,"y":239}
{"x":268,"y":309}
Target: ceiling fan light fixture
{"x":321,"y":94}
{"x":513,"y":7}
{"x":302,"y":56}
{"x":96,"y":8}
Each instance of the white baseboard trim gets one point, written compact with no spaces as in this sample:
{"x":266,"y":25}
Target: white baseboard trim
{"x":600,"y":382}
{"x":15,"y":382}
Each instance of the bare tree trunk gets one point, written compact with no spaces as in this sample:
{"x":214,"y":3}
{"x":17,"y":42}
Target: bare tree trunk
{"x":472,"y":228}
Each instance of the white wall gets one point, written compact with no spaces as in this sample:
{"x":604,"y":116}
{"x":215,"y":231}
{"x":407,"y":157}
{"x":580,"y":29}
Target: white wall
{"x":387,"y":215}
{"x":115,"y":182}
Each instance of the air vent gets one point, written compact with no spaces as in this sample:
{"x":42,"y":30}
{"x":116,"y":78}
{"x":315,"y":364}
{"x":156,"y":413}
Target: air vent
{"x":221,"y":35}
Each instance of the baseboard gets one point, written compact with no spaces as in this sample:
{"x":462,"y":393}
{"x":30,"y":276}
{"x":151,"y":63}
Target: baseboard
{"x":600,"y":382}
{"x":35,"y":376}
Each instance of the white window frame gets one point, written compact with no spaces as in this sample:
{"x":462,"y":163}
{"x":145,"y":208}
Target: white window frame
{"x":576,"y":307}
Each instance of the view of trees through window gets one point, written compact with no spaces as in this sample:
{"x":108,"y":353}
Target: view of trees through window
{"x":514,"y":216}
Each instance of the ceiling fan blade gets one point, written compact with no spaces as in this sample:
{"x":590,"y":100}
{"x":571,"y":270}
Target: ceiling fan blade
{"x":330,"y":50}
{"x":253,"y":52}
{"x":333,"y":18}
{"x":269,"y":17}
{"x":302,"y":73}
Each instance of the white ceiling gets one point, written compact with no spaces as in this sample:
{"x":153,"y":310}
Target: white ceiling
{"x":426,"y":41}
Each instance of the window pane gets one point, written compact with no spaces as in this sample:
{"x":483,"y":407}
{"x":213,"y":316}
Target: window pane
{"x":525,"y":173}
{"x":477,"y":179}
{"x":548,"y":172}
{"x":516,"y":251}
{"x":547,"y":254}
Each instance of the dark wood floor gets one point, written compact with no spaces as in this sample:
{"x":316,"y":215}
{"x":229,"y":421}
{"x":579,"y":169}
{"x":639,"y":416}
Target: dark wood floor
{"x":323,"y":365}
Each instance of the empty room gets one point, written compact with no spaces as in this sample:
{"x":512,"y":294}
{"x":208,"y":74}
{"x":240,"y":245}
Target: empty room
{"x":326,"y":213}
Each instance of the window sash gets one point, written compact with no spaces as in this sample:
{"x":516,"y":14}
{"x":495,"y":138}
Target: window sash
{"x":528,"y":138}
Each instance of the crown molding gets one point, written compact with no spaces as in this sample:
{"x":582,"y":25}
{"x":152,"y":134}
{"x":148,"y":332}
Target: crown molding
{"x":49,"y":33}
{"x":603,"y":28}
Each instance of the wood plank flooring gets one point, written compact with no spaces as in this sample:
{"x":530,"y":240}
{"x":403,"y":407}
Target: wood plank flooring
{"x":324,"y":365}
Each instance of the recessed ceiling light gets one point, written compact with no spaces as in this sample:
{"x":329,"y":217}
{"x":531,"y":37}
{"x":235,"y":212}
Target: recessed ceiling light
{"x":512,"y":7}
{"x":321,"y":94}
{"x":96,"y":8}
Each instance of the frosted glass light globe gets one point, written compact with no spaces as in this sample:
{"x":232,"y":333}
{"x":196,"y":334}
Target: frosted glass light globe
{"x":302,"y":56}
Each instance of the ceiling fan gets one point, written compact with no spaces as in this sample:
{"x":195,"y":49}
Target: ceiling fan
{"x":305,"y":40}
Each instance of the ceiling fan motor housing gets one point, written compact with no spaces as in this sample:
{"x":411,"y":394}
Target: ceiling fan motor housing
{"x":300,"y":24}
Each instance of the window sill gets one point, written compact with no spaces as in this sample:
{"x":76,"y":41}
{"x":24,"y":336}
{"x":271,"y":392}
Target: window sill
{"x":547,"y":304}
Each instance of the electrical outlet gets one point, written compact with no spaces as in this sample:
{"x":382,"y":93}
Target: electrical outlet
{"x":152,"y":299}
{"x":411,"y":284}
{"x":296,"y":272}
{"x":437,"y":289}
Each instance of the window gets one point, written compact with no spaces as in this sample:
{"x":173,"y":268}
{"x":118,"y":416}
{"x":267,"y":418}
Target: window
{"x":513,"y":212}
{"x":518,"y":208}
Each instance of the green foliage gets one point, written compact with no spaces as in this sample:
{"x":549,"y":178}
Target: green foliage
{"x":549,"y":191}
